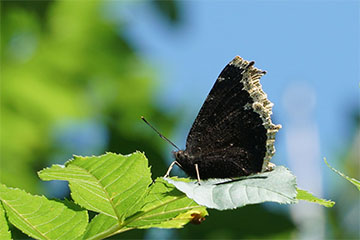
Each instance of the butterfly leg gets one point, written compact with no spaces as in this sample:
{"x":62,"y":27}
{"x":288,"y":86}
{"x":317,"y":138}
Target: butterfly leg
{"x":170,"y":168}
{"x":197,"y":172}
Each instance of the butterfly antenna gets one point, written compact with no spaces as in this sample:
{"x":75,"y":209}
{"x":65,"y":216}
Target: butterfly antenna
{"x":160,"y":135}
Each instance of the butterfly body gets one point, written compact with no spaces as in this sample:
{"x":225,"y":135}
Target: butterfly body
{"x":232,"y":135}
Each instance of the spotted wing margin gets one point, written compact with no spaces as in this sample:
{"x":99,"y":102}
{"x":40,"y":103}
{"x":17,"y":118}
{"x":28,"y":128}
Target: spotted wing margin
{"x":235,"y":117}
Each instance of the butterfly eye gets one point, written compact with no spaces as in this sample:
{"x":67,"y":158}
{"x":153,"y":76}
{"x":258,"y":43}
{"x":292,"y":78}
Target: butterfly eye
{"x":178,"y":154}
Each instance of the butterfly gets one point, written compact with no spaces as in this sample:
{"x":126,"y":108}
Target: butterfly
{"x":232,"y":135}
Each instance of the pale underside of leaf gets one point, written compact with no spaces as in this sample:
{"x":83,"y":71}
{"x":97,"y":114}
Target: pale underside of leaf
{"x":278,"y":185}
{"x":41,"y":218}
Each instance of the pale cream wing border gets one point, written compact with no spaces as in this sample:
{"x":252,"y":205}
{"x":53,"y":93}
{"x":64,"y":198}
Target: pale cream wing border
{"x":262,"y":105}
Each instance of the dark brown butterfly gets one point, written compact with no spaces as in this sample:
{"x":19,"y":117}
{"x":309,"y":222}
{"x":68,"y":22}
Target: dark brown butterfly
{"x":233,"y":134}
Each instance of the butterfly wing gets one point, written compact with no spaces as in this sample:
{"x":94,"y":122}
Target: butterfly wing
{"x":231,"y":133}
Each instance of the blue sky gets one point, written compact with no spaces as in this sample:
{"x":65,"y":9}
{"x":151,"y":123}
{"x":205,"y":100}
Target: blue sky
{"x":310,"y":45}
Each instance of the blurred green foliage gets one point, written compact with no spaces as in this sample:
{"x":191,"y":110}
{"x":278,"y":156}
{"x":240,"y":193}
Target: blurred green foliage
{"x":62,"y":61}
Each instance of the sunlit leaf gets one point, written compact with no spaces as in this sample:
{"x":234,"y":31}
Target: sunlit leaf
{"x":164,"y":203}
{"x":41,"y":218}
{"x":111,"y":184}
{"x":119,"y":188}
{"x":352,"y":180}
{"x":278,"y":185}
{"x":306,"y":196}
{"x":101,"y":226}
{"x":164,"y":207}
{"x":195,"y":216}
{"x":4,"y":228}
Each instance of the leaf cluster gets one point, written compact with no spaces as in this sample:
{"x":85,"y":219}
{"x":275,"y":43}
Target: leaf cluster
{"x":119,"y":188}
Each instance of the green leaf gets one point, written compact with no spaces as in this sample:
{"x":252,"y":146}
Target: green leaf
{"x":278,"y":185}
{"x":195,"y":216}
{"x":117,"y":187}
{"x":164,"y":207}
{"x":352,"y":180}
{"x":41,"y":218}
{"x":101,"y":226}
{"x":111,"y":184}
{"x":306,"y":196}
{"x":4,"y":227}
{"x":164,"y":203}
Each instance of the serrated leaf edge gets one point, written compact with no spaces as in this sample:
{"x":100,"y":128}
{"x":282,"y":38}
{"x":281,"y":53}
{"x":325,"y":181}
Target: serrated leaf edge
{"x":21,"y":217}
{"x":108,"y":198}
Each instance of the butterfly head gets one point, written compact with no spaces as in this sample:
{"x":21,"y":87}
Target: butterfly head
{"x":182,"y":157}
{"x":178,"y":155}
